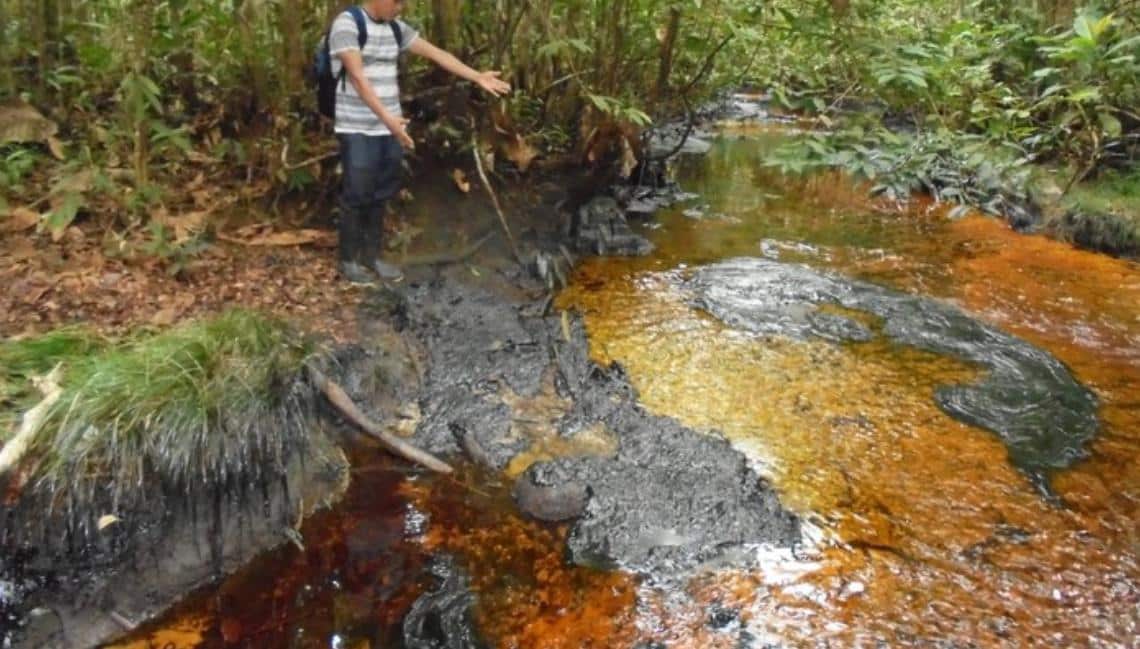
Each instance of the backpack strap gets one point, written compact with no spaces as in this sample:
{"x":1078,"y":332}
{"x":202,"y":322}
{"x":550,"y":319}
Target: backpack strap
{"x":361,"y":27}
{"x":398,"y":33}
{"x":361,"y":37}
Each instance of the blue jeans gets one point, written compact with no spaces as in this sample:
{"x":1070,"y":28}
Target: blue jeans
{"x":371,"y":166}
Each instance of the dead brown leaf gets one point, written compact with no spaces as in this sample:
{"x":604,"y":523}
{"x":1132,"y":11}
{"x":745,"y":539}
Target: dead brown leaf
{"x":56,"y":148}
{"x":198,"y":181}
{"x":628,"y":159}
{"x":17,"y":481}
{"x":76,"y":183}
{"x":286,"y":238}
{"x":185,"y":226}
{"x":36,"y":292}
{"x":73,"y":234}
{"x":164,"y":317}
{"x":23,"y":123}
{"x":202,"y":197}
{"x":520,"y":152}
{"x":20,"y":249}
{"x":19,"y":219}
{"x":461,"y":181}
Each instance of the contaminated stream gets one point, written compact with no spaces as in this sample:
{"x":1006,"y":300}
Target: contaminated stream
{"x":918,"y":526}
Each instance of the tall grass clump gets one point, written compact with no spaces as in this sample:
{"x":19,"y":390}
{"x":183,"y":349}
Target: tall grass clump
{"x":204,"y":408}
{"x":23,"y":359}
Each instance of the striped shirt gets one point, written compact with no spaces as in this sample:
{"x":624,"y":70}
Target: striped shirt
{"x":380,"y":53}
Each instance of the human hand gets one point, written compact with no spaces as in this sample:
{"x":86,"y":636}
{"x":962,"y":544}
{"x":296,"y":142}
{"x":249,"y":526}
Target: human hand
{"x":399,"y":129}
{"x":491,"y":82}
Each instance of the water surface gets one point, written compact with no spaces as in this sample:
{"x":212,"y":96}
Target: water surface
{"x":929,"y":531}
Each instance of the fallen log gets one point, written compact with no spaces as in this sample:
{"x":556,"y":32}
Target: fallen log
{"x":345,"y":405}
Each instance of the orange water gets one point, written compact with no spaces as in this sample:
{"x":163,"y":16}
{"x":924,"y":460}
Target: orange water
{"x":929,"y":532}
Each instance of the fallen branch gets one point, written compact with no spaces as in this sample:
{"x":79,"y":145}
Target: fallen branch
{"x":690,"y":124}
{"x":16,"y":447}
{"x":343,"y":403}
{"x":288,"y":166}
{"x":491,"y":192}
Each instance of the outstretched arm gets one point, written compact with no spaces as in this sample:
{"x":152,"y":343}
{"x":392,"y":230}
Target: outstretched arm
{"x":488,"y":81}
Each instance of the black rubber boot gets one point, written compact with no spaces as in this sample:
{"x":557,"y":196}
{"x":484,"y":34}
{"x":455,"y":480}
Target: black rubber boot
{"x":373,"y":238}
{"x":350,"y":247}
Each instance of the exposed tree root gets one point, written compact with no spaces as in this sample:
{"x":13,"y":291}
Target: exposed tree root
{"x":344,"y":403}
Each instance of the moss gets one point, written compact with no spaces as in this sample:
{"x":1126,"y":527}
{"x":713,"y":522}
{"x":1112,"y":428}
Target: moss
{"x":1114,"y":193}
{"x":192,"y":410}
{"x":1102,"y":214}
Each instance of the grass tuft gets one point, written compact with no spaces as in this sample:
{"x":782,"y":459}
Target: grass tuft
{"x":1116,"y":192}
{"x":197,"y":408}
{"x":20,"y":360}
{"x":1104,"y":214}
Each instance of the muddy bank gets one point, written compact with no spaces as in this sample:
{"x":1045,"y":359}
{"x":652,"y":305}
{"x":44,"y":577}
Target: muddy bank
{"x":487,"y":376}
{"x":475,"y":368}
{"x":78,"y":575}
{"x":516,"y":391}
{"x":106,"y":589}
{"x":1026,"y":396}
{"x":1105,"y":232}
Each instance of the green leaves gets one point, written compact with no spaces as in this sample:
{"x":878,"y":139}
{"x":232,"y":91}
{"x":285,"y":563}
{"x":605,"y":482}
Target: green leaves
{"x":565,"y":46}
{"x":140,"y":94}
{"x":1110,"y":124}
{"x":1090,"y":27}
{"x":15,"y":163}
{"x":619,"y":110}
{"x":62,"y":217}
{"x":952,"y":167}
{"x":1081,"y":95}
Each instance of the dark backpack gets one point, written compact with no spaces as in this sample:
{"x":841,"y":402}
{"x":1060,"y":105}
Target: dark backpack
{"x":322,"y":63}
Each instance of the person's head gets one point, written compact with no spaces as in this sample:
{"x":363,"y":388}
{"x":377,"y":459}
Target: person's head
{"x":384,"y":9}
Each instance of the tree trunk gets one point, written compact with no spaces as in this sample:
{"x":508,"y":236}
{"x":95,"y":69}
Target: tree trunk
{"x":446,"y":15}
{"x":246,"y":14}
{"x":50,"y":44}
{"x":7,"y":62}
{"x":51,"y":31}
{"x":293,"y":46}
{"x":143,"y":13}
{"x":668,"y":44}
{"x":33,"y":34}
{"x":616,"y":33}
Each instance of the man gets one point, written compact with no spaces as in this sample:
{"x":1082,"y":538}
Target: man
{"x":371,"y":128}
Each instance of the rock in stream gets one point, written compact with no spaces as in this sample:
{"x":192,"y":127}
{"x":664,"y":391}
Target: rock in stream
{"x":1027,"y":397}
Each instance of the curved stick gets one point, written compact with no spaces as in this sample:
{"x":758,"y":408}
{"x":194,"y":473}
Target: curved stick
{"x":340,"y":399}
{"x":491,"y":191}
